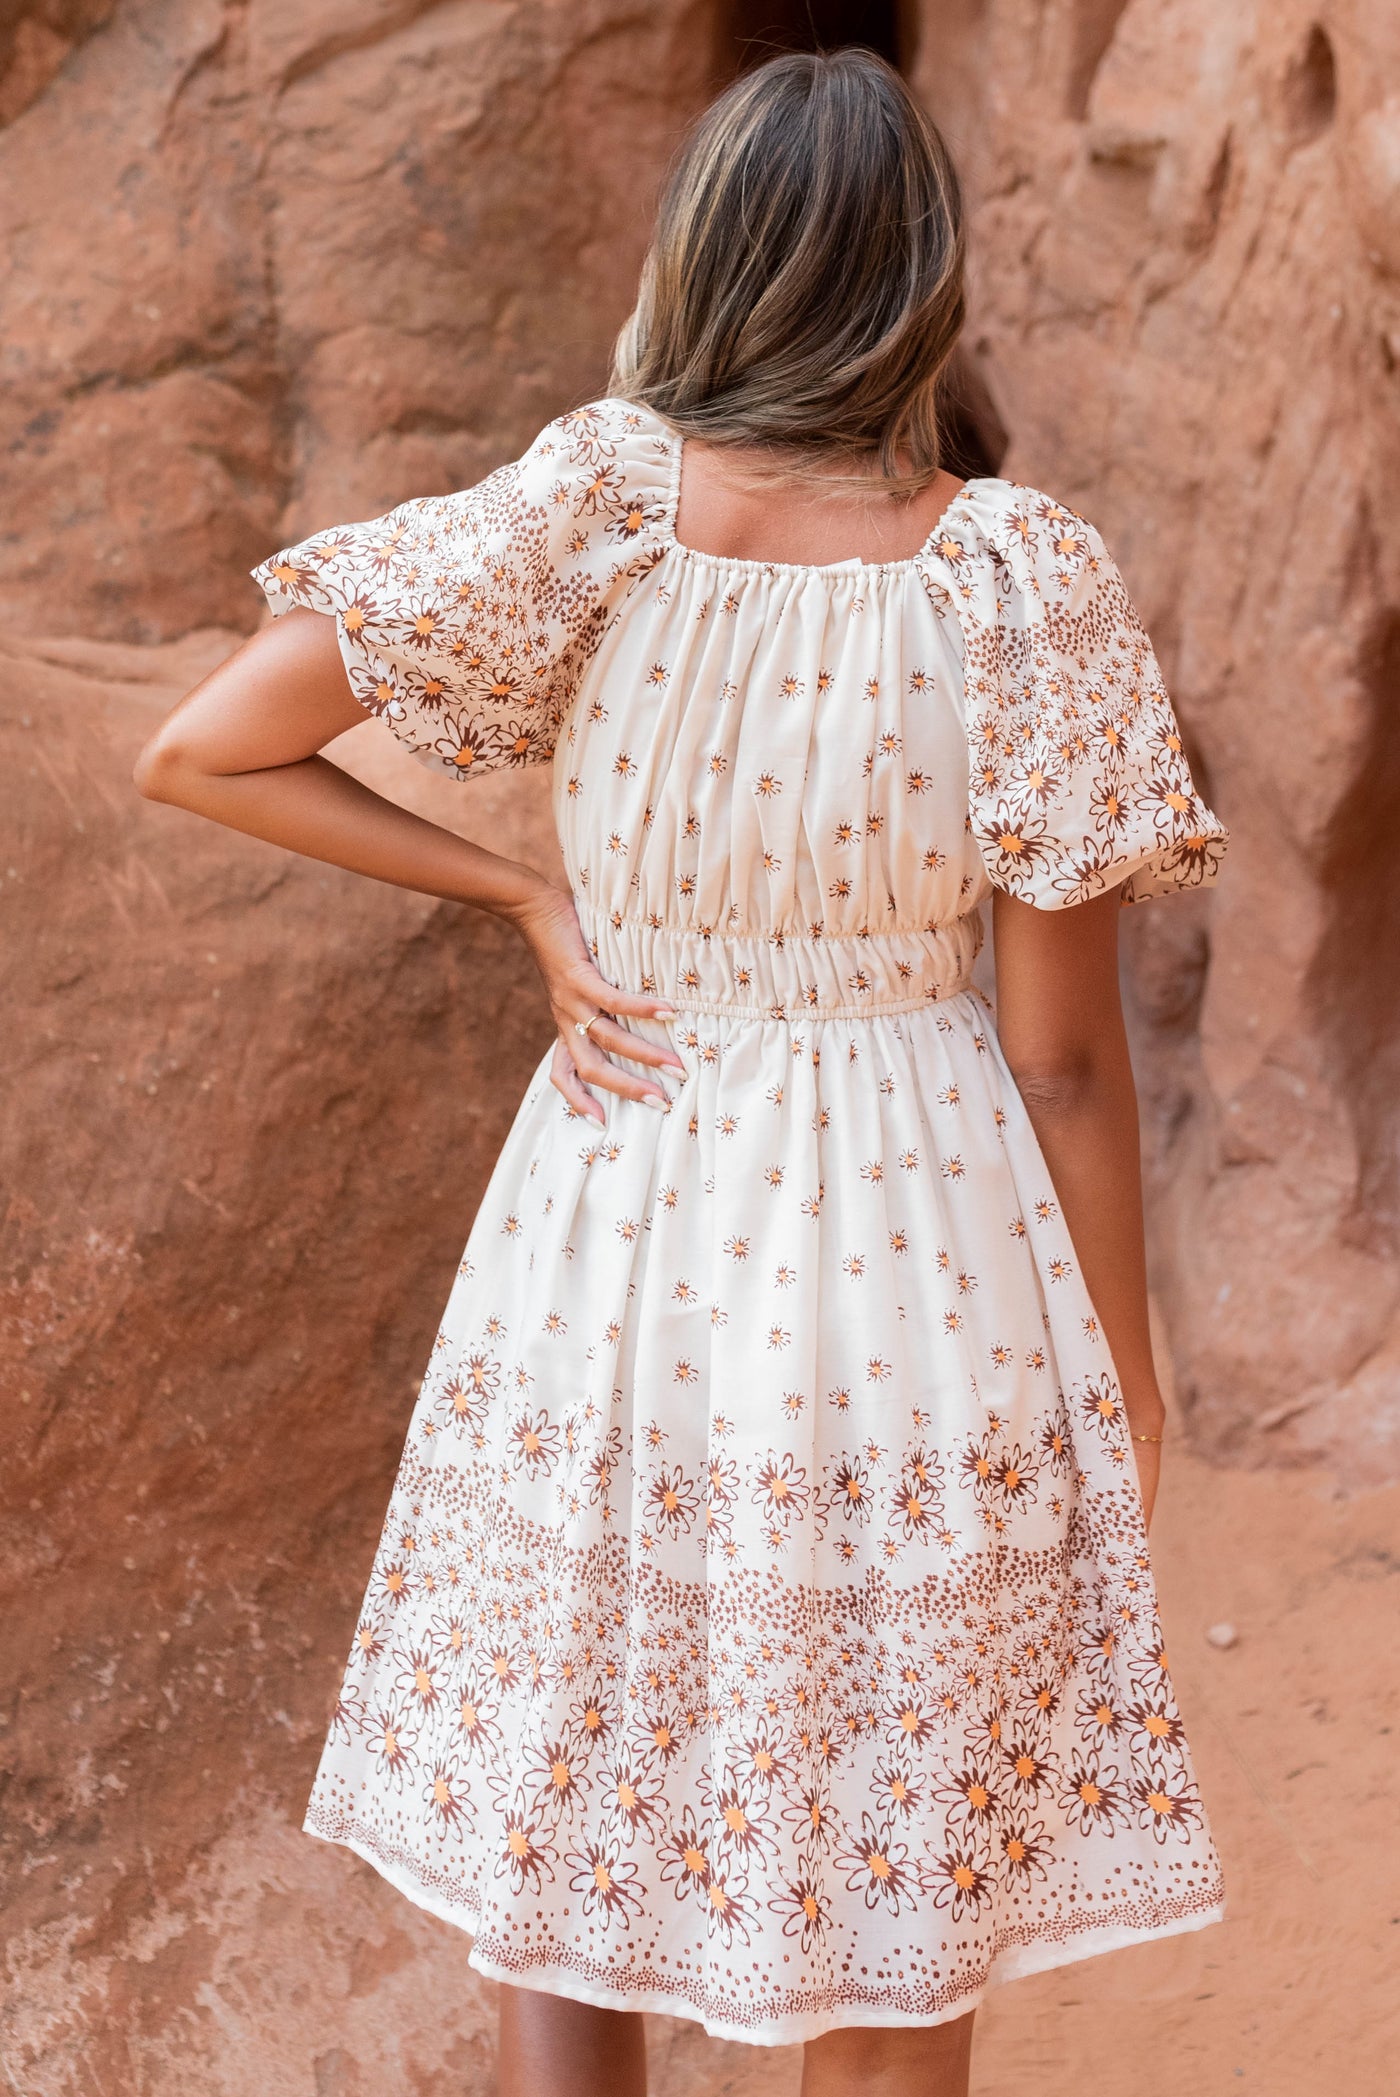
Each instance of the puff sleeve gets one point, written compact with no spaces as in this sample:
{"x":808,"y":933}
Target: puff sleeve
{"x":1078,"y":780}
{"x":465,"y":620}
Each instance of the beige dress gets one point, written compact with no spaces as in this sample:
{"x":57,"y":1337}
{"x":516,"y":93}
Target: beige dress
{"x":763,"y":1628}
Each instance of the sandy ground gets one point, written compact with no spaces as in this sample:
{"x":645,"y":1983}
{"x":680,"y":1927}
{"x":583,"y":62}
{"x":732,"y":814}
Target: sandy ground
{"x":1295,"y":1730}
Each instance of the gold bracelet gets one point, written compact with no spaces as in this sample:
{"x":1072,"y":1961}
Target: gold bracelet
{"x":1147,"y":1437}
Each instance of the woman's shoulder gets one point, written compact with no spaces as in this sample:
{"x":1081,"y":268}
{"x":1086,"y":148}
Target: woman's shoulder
{"x":599,"y":475}
{"x":594,"y":485}
{"x":605,"y":438}
{"x":1006,"y":547}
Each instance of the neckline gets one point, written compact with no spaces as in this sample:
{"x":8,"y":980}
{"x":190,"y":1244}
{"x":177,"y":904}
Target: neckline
{"x":851,"y":565}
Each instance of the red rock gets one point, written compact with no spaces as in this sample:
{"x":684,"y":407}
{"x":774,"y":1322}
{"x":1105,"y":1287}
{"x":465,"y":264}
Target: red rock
{"x":1186,"y":315}
{"x":289,"y":265}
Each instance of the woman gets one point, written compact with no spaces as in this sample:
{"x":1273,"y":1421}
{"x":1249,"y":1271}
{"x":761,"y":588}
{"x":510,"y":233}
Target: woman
{"x":763,"y":1628}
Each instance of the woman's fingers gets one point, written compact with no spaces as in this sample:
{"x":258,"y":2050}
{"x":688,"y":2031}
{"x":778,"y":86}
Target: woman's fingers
{"x":591,"y":997}
{"x":602,"y":996}
{"x":597,"y":1069}
{"x":635,"y":1002}
{"x":605,"y":1033}
{"x":571,"y":1073}
{"x":565,"y":1079}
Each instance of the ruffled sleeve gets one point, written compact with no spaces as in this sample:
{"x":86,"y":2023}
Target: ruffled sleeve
{"x":466,"y":620}
{"x":1078,"y":781}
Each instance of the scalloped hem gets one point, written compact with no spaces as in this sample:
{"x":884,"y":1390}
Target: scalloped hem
{"x":1015,"y":1962}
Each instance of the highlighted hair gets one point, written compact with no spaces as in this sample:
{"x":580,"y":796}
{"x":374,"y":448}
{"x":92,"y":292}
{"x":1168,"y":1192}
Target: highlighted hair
{"x":805,"y":283}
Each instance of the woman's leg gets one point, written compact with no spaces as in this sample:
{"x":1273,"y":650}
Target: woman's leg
{"x":916,"y":2060}
{"x":552,"y":2047}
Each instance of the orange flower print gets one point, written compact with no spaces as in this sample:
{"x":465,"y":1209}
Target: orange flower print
{"x":1013,"y":1477}
{"x":1017,"y":842}
{"x":960,"y":1881}
{"x":1101,"y":1407}
{"x":630,"y":518}
{"x":672,"y":1501}
{"x":977,"y":1465}
{"x":805,"y":1910}
{"x":525,"y":1854}
{"x":780,"y":1487}
{"x":552,"y":1776}
{"x":476,"y":1726}
{"x":391,"y":1737}
{"x":1092,"y":1795}
{"x":973,"y":1797}
{"x":728,"y":1909}
{"x":633,"y":1795}
{"x":1026,"y":1770}
{"x":740,"y":1823}
{"x":1154,"y":1723}
{"x":447,"y":1795}
{"x":878,"y":1866}
{"x":851,"y":1491}
{"x":534,"y":1444}
{"x":1167,"y":1805}
{"x":608,"y":1881}
{"x":1024,"y":1849}
{"x":420,"y":1680}
{"x":917,"y":1499}
{"x":685,"y":1858}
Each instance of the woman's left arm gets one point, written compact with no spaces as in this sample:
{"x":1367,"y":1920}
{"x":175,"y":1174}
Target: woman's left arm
{"x":243,"y":749}
{"x":1060,"y":1019}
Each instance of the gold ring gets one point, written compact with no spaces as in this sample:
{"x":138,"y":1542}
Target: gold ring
{"x":581,"y":1026}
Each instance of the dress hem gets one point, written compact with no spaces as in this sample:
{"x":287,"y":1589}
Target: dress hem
{"x":1016,"y":1962}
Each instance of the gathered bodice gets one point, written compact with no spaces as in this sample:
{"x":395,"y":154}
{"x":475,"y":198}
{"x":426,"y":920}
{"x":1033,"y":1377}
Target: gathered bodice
{"x":760,"y":751}
{"x":761,"y":791}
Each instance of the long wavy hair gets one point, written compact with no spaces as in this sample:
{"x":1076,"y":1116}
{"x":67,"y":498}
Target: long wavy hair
{"x":804,"y":286}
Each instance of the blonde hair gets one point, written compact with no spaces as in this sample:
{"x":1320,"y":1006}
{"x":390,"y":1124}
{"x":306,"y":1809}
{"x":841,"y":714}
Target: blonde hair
{"x":804,"y":286}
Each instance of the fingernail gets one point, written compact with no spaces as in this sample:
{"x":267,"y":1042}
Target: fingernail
{"x":654,"y":1099}
{"x":664,"y":1012}
{"x":674,"y":1063}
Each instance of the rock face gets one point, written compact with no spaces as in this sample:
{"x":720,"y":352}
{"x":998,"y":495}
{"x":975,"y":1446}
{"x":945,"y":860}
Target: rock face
{"x":275,"y":266}
{"x":1187,"y":318}
{"x":289,"y":264}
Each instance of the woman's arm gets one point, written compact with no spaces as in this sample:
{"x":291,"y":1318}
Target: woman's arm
{"x":242,"y":750}
{"x":1060,"y":1019}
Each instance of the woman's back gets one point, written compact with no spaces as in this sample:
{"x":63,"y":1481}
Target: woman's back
{"x":734,"y":506}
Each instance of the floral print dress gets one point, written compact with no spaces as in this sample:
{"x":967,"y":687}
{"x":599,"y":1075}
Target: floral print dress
{"x":763,"y":1628}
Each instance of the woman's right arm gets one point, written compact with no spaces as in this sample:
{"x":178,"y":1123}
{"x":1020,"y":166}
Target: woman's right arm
{"x":1060,"y":1023}
{"x":243,"y":749}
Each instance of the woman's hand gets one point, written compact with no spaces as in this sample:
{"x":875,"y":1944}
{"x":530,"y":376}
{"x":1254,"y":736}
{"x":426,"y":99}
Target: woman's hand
{"x":549,"y":925}
{"x":1148,"y":1457}
{"x":1146,"y":1415}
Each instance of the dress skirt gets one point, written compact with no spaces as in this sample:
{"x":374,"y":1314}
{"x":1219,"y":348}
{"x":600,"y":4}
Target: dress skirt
{"x":763,"y":1628}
